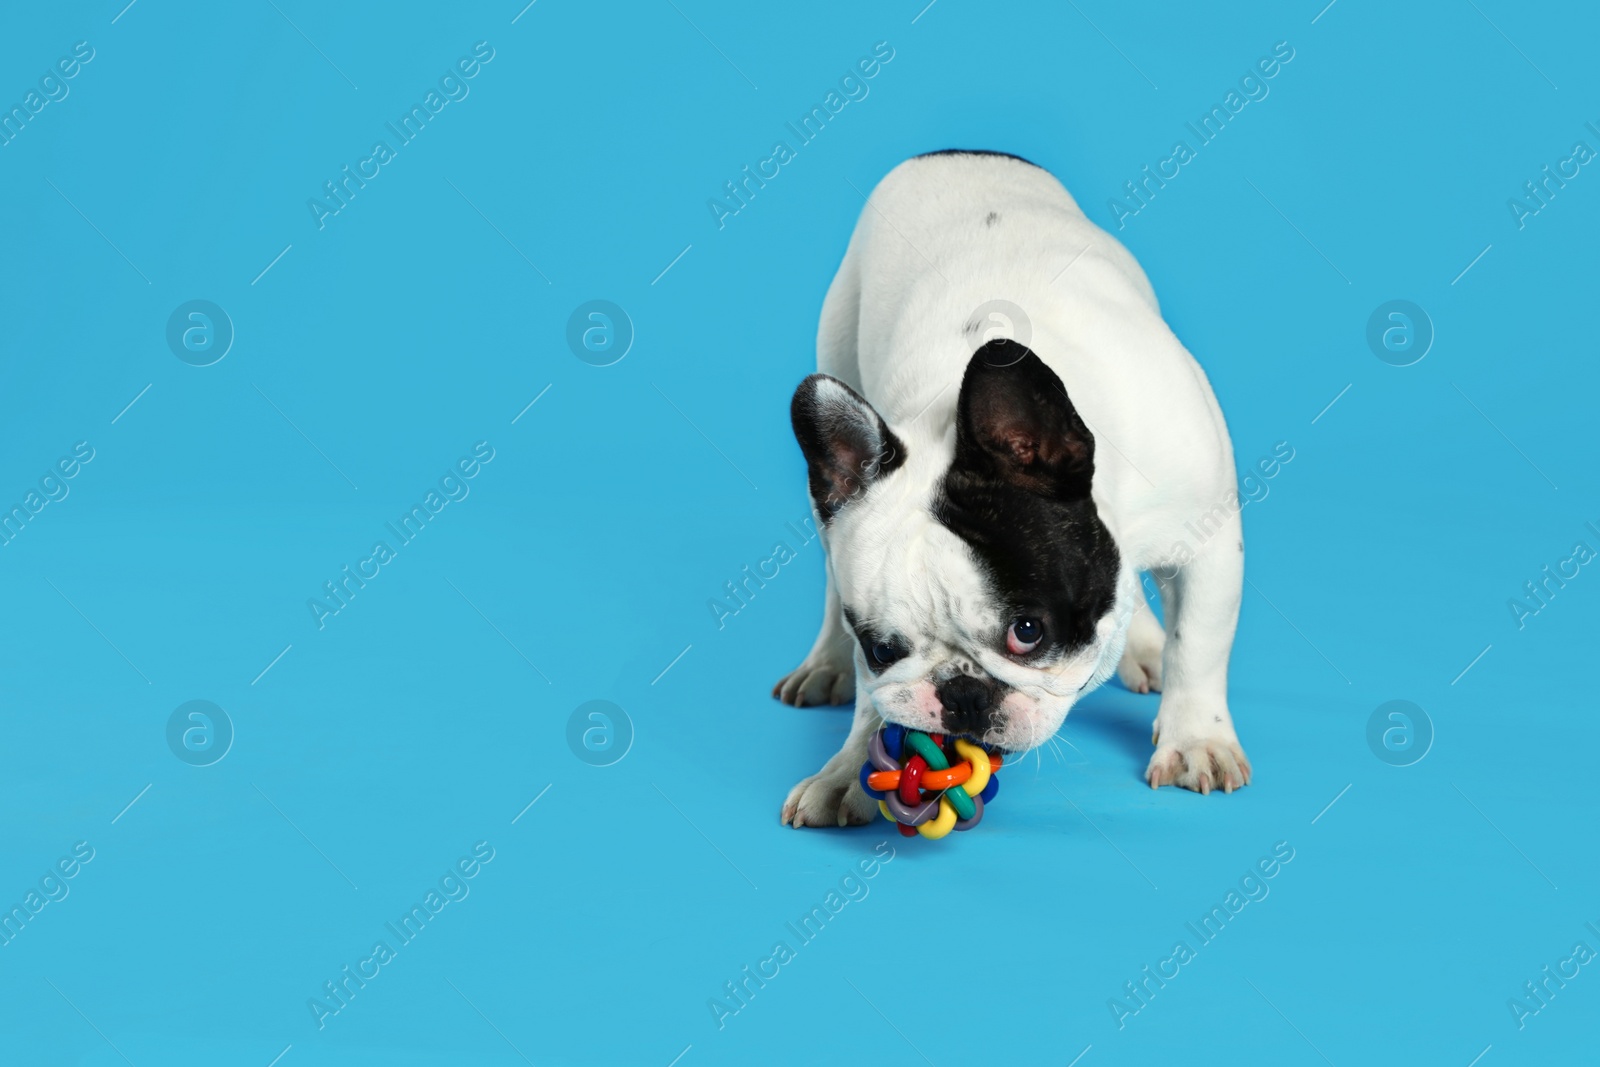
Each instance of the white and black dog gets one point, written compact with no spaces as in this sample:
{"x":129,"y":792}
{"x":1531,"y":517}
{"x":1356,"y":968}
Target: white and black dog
{"x":987,"y":505}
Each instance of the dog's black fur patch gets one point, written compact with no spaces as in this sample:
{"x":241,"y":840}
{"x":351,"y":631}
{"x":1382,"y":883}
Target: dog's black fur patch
{"x":866,"y":636}
{"x":1017,"y":491}
{"x":976,"y":152}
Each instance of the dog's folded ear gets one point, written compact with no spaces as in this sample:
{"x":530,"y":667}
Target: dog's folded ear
{"x":846,"y":443}
{"x":1014,"y":423}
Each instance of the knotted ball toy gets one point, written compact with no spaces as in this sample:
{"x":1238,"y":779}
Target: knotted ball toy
{"x":942,"y":786}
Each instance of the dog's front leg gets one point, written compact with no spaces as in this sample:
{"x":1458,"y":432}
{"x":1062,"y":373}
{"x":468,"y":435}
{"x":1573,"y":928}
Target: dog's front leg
{"x":833,"y":796}
{"x":1196,"y":746}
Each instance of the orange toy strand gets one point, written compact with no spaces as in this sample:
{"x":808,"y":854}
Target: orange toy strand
{"x":884,"y":781}
{"x":888,"y":781}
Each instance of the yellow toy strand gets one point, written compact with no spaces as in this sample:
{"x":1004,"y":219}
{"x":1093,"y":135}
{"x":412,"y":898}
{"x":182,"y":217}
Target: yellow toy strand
{"x":980,"y":766}
{"x":937,"y":827}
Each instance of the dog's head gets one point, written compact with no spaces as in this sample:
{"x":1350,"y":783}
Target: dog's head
{"x":984,"y":592}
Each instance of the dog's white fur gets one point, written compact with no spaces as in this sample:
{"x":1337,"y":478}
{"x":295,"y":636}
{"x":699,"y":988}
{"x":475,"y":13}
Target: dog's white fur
{"x":897,"y":326}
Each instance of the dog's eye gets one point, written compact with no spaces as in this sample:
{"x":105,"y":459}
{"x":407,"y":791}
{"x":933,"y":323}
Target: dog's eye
{"x":1024,"y":636}
{"x":884,"y":653}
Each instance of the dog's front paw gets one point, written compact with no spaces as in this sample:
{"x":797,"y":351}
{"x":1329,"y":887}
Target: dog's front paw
{"x":824,"y":679}
{"x":1201,"y":763}
{"x":828,"y":799}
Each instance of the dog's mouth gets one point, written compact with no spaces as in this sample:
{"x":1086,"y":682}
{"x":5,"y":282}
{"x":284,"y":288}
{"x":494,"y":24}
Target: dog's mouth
{"x":946,"y":736}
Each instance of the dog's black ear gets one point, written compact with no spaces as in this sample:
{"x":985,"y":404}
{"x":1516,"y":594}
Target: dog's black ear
{"x":1014,"y":423}
{"x":846,"y":444}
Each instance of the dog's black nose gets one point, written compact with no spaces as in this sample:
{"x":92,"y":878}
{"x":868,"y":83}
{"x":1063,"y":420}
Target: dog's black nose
{"x":966,"y":703}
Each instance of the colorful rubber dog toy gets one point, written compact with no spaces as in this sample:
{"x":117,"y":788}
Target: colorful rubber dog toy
{"x":943,"y":786}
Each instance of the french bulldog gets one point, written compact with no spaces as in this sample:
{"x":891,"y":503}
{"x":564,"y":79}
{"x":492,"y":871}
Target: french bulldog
{"x":1003,"y":433}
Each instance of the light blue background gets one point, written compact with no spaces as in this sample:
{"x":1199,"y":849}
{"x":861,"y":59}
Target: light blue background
{"x":433,"y":709}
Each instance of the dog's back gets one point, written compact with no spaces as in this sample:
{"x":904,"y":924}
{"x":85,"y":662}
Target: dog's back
{"x":955,"y":248}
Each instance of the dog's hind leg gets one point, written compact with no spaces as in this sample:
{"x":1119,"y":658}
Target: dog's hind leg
{"x":1140,"y":668}
{"x":827,"y":675}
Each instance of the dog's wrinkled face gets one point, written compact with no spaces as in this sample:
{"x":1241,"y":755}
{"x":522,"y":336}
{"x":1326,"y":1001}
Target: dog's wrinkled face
{"x":984,"y":592}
